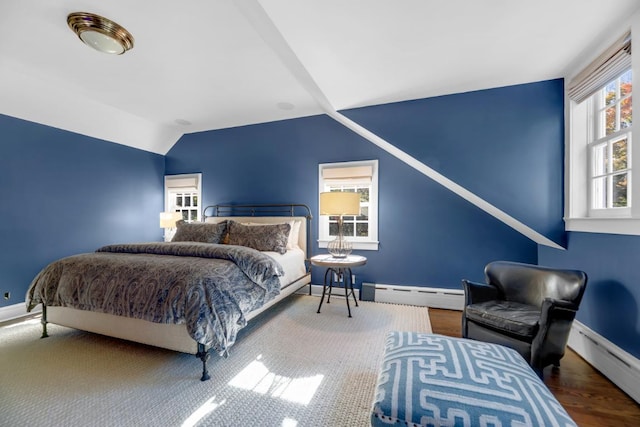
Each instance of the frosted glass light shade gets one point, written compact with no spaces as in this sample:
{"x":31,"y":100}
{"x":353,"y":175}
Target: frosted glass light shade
{"x":101,"y":42}
{"x":339,"y":203}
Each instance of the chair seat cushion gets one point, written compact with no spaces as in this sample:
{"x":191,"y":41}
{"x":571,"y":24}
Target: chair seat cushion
{"x":433,"y":380}
{"x":508,"y":316}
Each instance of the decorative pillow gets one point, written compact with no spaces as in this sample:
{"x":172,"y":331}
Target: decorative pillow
{"x":200,"y":232}
{"x":271,"y":237}
{"x":294,"y":234}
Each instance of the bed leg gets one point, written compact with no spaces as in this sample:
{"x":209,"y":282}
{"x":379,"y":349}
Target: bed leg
{"x":203,"y":354}
{"x":43,"y":320}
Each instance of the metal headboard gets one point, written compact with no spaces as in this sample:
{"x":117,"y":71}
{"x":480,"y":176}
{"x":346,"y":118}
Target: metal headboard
{"x":284,"y":210}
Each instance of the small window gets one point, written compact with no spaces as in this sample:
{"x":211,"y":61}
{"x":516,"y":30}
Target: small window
{"x":182,"y":193}
{"x":360,"y":177}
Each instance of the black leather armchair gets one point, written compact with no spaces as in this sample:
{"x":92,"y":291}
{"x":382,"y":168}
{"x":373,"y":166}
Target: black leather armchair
{"x":526,"y":307}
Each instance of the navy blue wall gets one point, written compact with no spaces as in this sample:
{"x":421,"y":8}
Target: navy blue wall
{"x":612,"y":299}
{"x":62,"y":193}
{"x":428,"y":236}
{"x":506,"y":145}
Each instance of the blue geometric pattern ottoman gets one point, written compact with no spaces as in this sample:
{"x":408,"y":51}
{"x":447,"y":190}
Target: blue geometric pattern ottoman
{"x":433,"y":380}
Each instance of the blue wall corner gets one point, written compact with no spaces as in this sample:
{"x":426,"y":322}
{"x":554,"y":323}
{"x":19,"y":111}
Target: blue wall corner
{"x":65,"y":193}
{"x":611,"y":302}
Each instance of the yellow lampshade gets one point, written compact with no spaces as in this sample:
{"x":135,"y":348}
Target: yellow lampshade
{"x":339,"y":203}
{"x":169,"y":219}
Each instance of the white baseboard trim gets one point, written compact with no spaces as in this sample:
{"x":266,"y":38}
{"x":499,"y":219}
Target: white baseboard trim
{"x":451,"y":299}
{"x":15,"y":311}
{"x":614,"y":363}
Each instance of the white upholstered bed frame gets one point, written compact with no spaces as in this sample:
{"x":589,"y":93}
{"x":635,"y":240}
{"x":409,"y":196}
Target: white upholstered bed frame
{"x":172,"y":336}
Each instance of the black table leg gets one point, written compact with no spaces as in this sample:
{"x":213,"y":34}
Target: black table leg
{"x":324,"y":289}
{"x":343,"y":273}
{"x":353,"y":294}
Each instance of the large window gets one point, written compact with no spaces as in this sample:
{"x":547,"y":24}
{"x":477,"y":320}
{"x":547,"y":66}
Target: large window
{"x":360,"y":177}
{"x":600,"y":195}
{"x":182,"y":193}
{"x":609,"y":146}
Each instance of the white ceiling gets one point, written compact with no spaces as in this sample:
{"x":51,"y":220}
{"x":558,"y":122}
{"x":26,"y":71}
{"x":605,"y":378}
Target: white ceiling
{"x":225,"y":63}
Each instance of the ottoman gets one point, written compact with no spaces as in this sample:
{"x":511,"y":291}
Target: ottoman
{"x":434,"y":380}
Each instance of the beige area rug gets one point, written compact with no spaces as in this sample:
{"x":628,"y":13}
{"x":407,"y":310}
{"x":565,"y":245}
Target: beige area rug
{"x":289,"y":367}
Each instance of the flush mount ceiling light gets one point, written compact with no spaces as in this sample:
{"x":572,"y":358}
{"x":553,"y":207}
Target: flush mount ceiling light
{"x":100,"y":33}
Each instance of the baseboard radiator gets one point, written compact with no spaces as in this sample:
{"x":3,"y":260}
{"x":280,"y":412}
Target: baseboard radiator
{"x":616,"y":364}
{"x":452,"y":299}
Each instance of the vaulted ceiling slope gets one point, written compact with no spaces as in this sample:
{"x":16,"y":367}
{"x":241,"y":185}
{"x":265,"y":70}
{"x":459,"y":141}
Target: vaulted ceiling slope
{"x":200,"y":64}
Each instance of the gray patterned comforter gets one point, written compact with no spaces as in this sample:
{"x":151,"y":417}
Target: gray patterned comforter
{"x":209,"y":287}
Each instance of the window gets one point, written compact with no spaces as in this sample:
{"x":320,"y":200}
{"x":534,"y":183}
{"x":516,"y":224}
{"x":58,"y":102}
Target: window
{"x":599,"y":190}
{"x":609,"y":146}
{"x":360,"y":177}
{"x":182,"y":193}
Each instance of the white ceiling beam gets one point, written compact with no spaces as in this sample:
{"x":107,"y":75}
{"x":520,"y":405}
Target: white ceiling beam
{"x":259,"y":19}
{"x":445,"y":182}
{"x":262,"y":23}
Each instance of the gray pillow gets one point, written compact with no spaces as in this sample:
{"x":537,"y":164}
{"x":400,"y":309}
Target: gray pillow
{"x":200,"y":232}
{"x":272,"y":237}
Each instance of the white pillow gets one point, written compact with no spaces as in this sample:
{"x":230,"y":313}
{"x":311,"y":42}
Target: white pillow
{"x":294,"y":233}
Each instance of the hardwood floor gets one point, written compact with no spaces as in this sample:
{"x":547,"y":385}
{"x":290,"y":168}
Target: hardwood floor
{"x":589,"y":397}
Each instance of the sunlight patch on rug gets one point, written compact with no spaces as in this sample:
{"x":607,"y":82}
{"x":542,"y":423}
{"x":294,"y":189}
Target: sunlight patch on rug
{"x":207,"y":408}
{"x":257,"y":378}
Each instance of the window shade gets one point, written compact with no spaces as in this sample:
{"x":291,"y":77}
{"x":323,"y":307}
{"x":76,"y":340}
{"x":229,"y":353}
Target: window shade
{"x":351,"y":173}
{"x":611,"y":64}
{"x":182,"y":183}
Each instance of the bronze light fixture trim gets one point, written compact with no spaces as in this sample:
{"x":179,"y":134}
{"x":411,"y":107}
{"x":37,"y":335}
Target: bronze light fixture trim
{"x":100,"y":33}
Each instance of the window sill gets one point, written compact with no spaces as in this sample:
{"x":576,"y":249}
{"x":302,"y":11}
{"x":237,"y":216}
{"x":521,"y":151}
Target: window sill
{"x":628,"y":225}
{"x":360,"y":246}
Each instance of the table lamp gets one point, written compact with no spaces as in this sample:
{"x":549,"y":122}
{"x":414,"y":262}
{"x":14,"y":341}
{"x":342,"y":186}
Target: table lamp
{"x":339,"y":203}
{"x":168,"y":222}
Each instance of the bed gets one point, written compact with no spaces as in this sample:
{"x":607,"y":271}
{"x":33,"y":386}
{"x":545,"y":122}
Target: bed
{"x":191,"y":295}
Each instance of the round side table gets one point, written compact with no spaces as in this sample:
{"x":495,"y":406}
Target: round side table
{"x":338,"y":271}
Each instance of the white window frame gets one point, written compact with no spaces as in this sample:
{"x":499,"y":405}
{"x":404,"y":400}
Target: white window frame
{"x":180,"y":184}
{"x":578,"y":215}
{"x":359,"y":243}
{"x":597,"y":137}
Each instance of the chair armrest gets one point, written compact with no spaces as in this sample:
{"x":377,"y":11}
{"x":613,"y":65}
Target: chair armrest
{"x":557,"y":309}
{"x":475,"y":292}
{"x":556,"y":318}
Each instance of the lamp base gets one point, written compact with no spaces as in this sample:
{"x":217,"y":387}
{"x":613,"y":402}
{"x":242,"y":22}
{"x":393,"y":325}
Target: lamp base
{"x":339,"y":248}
